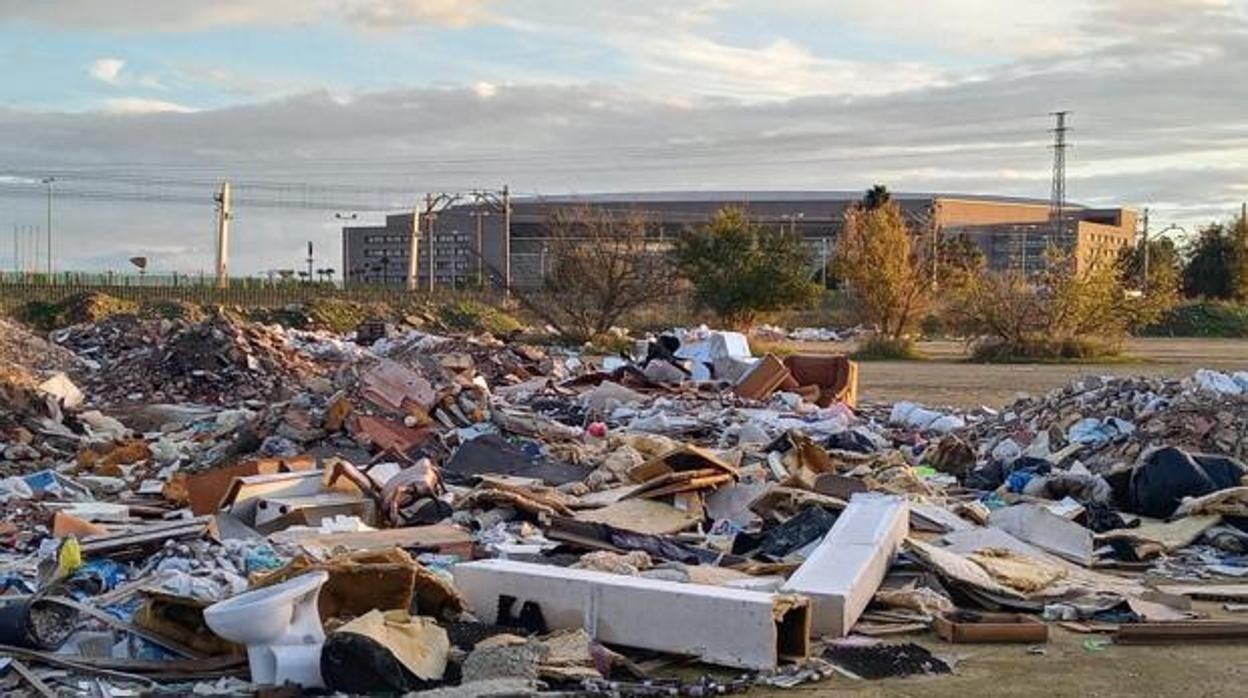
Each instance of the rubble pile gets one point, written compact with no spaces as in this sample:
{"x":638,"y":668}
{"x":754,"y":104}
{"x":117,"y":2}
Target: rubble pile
{"x":228,"y":508}
{"x":1115,"y":419}
{"x":217,"y":361}
{"x":21,"y":349}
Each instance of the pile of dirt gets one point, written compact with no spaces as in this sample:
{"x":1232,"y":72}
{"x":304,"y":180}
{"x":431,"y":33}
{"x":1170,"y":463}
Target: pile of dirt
{"x":21,"y":347}
{"x":75,"y":309}
{"x":220,"y":360}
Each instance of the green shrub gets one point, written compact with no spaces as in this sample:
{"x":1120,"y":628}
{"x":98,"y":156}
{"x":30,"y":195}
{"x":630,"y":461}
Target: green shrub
{"x":882,"y":348}
{"x":78,"y":308}
{"x":174,"y":310}
{"x":475,"y":316}
{"x":1202,"y":319}
{"x":1041,"y":349}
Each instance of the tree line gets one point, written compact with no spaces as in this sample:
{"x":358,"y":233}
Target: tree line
{"x":895,"y":273}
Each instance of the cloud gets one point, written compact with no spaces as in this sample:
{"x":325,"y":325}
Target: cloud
{"x":390,"y":14}
{"x":107,"y":70}
{"x":192,"y":15}
{"x":1157,"y":94}
{"x":140,"y":105}
{"x":779,"y":69}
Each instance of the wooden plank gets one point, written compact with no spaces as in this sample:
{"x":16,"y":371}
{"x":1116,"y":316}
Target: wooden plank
{"x":151,"y":534}
{"x":1207,"y":592}
{"x":1180,"y":631}
{"x":35,"y":682}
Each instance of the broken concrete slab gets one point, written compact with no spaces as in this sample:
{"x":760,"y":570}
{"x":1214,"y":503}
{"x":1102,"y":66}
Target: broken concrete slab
{"x":393,"y":386}
{"x":841,"y":575}
{"x":1046,"y":530}
{"x":718,"y":625}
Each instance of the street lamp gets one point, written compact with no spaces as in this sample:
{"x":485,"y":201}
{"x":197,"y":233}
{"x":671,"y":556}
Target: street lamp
{"x":48,"y":181}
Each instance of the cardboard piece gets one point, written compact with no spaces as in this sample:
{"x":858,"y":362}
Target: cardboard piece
{"x":206,"y":489}
{"x":719,"y":625}
{"x":418,"y":643}
{"x":763,"y":379}
{"x":835,"y":376}
{"x":65,"y":525}
{"x":1152,"y":538}
{"x":841,"y":575}
{"x":362,"y":581}
{"x":642,"y":516}
{"x":681,"y":459}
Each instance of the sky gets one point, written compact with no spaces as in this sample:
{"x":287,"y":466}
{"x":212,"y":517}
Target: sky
{"x":138,"y":108}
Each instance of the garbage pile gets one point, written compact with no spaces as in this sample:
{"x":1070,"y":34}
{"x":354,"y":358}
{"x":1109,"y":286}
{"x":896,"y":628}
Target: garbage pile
{"x":220,"y":360}
{"x":224,"y":508}
{"x":1115,"y":419}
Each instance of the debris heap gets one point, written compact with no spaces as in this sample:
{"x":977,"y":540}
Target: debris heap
{"x":224,"y":508}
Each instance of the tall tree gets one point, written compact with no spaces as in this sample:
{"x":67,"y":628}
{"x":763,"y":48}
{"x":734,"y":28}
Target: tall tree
{"x":1217,"y":262}
{"x":876,"y":197}
{"x":739,"y":269}
{"x":887,"y":273}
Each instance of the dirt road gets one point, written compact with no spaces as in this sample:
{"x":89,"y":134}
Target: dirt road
{"x":947,"y":379}
{"x":1065,"y":670}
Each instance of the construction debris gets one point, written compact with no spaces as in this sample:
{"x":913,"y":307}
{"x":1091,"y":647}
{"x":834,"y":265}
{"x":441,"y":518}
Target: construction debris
{"x":468,"y":516}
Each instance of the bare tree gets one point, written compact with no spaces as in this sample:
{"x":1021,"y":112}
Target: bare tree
{"x":597,"y":267}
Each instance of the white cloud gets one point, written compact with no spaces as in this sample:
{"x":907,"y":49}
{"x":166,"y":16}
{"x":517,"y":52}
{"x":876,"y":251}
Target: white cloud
{"x":107,"y":70}
{"x":140,"y":105}
{"x":1157,"y":91}
{"x":390,"y":14}
{"x":189,"y":15}
{"x":780,"y":69}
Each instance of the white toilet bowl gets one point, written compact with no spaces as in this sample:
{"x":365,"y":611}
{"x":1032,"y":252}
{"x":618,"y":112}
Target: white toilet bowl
{"x":280,"y":626}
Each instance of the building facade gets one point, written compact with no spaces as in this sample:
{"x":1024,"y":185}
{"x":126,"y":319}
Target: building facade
{"x":470,"y":245}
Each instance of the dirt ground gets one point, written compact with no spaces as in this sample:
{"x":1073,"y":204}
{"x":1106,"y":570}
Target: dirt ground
{"x":1065,"y":669}
{"x":946,"y":379}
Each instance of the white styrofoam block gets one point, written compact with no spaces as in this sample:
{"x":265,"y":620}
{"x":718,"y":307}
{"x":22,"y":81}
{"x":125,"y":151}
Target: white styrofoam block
{"x":842,"y":574}
{"x":719,"y":625}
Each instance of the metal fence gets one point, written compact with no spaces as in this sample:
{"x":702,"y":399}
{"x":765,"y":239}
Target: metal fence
{"x":19,"y":289}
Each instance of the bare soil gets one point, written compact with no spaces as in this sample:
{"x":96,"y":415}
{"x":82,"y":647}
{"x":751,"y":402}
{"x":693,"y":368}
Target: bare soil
{"x":946,"y":378}
{"x":1065,"y":669}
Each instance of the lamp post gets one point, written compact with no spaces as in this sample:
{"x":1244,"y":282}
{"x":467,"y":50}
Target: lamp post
{"x":48,"y":182}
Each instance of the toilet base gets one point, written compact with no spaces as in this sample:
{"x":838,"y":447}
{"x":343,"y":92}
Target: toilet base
{"x":274,"y":665}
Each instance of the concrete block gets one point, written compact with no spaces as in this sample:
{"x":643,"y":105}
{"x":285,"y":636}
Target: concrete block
{"x":843,"y":572}
{"x":730,"y":627}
